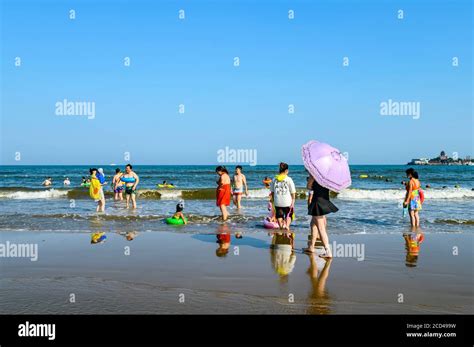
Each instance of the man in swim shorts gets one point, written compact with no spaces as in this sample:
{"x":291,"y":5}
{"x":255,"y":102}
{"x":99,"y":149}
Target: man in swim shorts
{"x":117,"y":185}
{"x":131,"y":181}
{"x":240,"y":182}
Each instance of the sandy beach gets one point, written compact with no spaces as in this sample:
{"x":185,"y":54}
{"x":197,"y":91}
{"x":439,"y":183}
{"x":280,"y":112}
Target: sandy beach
{"x":179,"y":273}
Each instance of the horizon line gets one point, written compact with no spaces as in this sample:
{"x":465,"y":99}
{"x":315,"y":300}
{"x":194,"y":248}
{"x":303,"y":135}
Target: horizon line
{"x":246,"y":165}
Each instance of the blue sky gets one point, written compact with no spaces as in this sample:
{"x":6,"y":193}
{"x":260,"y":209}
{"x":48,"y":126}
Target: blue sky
{"x":190,"y":62}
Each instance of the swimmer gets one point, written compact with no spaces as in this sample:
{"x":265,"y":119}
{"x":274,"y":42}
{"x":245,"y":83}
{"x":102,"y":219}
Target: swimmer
{"x":179,"y":212}
{"x":267,"y":181}
{"x":67,"y":182}
{"x":47,"y":182}
{"x":240,"y":182}
{"x":117,"y":185}
{"x":131,"y":181}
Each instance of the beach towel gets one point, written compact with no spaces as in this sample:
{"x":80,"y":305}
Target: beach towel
{"x":223,"y":195}
{"x":94,"y":189}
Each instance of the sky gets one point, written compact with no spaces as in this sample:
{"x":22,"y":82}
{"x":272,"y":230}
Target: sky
{"x":191,"y":62}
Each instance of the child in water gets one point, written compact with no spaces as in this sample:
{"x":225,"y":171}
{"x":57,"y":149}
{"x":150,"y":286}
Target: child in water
{"x":267,"y":181}
{"x":179,"y":212}
{"x":271,"y":217}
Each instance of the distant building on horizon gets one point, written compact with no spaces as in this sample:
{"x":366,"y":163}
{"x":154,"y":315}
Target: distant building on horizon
{"x":419,"y":161}
{"x":442,"y":159}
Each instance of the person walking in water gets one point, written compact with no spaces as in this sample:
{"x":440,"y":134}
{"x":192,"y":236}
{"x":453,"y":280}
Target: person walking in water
{"x":412,"y":197}
{"x":131,"y":180}
{"x":318,"y":208}
{"x":117,"y":185}
{"x":240,"y":182}
{"x":223,"y":191}
{"x":283,"y":195}
{"x":96,"y":191}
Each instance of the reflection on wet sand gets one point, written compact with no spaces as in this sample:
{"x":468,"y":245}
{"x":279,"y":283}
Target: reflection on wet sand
{"x":282,"y":254}
{"x":223,"y":240}
{"x":319,"y":300}
{"x":98,"y":237}
{"x":413,"y":242}
{"x":129,"y":235}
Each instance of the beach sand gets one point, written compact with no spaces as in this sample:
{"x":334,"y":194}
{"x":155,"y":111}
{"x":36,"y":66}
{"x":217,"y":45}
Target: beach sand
{"x":163,"y":268}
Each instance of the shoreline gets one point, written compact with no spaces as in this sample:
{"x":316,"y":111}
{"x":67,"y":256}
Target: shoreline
{"x":163,"y":266}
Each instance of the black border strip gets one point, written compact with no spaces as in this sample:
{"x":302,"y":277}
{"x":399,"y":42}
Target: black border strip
{"x":240,"y":329}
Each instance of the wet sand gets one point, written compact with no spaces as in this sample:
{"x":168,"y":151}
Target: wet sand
{"x":163,"y":269}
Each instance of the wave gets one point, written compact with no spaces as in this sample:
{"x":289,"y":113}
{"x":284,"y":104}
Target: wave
{"x":455,"y":221}
{"x":210,"y":193}
{"x":33,"y":194}
{"x":186,"y":194}
{"x":194,"y":218}
{"x":398,"y":194}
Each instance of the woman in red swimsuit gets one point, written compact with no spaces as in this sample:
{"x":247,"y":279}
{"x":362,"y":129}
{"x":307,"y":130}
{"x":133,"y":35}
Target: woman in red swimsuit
{"x":223,"y":192}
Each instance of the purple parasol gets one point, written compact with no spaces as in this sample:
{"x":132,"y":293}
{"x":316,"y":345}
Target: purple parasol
{"x":327,"y":165}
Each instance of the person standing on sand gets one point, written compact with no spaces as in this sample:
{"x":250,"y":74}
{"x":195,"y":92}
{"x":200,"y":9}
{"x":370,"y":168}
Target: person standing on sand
{"x":240,"y":182}
{"x":412,"y":197}
{"x":117,"y":185}
{"x":131,"y":180}
{"x":223,"y":191}
{"x":283,"y":195}
{"x":319,"y":207}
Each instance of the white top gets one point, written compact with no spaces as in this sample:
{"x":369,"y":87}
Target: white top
{"x":282,"y":191}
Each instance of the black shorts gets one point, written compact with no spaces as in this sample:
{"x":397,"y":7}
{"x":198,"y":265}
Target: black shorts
{"x":282,"y":212}
{"x":129,"y":190}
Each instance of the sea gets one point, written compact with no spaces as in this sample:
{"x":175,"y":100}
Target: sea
{"x":372,"y":205}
